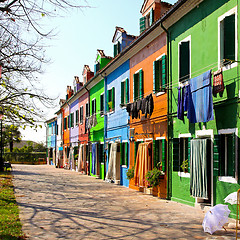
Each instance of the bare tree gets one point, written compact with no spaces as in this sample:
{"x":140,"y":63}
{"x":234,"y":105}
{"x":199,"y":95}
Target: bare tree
{"x":22,"y":56}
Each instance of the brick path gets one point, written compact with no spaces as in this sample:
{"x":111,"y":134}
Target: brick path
{"x":61,"y":204}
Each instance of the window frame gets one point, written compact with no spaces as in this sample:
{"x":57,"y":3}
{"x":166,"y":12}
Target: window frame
{"x":102,"y":104}
{"x":187,"y":39}
{"x":220,"y":39}
{"x":87,"y":110}
{"x":140,"y":95}
{"x":94,"y":111}
{"x":81,"y":114}
{"x":125,"y":83}
{"x":76,"y":117}
{"x":110,"y":90}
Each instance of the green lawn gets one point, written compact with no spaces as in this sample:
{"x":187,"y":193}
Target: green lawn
{"x":10,"y":225}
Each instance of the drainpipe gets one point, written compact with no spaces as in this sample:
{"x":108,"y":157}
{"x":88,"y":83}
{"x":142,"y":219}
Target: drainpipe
{"x":169,"y":120}
{"x":88,"y":172}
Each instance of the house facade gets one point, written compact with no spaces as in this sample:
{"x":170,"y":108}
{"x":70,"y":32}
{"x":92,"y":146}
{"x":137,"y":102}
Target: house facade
{"x":203,"y":102}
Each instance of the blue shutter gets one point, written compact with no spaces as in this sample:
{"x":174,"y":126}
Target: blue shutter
{"x":151,"y":16}
{"x":142,"y":24}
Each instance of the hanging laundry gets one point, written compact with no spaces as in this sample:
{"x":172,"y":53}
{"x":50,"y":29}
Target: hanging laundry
{"x":94,"y":120}
{"x":218,"y":85}
{"x":186,"y":97}
{"x":180,"y":110}
{"x":200,"y":104}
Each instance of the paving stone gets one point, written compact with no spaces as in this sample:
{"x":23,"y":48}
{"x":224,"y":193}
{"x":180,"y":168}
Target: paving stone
{"x":61,"y":204}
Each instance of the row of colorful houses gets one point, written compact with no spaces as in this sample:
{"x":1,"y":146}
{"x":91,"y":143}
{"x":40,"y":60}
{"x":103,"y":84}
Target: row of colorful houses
{"x":168,"y":98}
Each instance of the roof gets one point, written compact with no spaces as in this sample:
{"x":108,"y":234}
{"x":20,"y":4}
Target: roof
{"x":122,"y":30}
{"x":51,"y":120}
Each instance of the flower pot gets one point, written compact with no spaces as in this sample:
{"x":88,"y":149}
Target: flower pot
{"x":148,"y":191}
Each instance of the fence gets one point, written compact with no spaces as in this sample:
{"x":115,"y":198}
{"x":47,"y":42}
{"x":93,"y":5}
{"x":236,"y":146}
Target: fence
{"x":25,"y":158}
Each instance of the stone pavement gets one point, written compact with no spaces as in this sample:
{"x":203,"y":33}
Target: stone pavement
{"x":62,"y":204}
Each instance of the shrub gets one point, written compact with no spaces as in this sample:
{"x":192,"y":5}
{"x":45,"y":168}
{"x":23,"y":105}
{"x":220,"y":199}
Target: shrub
{"x":153,"y":177}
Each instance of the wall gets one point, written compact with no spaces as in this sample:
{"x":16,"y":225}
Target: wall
{"x":74,"y":131}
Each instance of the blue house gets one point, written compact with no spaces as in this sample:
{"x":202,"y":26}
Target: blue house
{"x":116,"y":127}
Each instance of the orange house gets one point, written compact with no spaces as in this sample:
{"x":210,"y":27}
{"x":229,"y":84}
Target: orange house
{"x":148,"y":106}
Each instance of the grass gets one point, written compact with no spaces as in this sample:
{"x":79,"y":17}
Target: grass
{"x":10,"y":225}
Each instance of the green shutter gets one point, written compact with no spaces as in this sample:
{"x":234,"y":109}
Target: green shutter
{"x":122,"y":93}
{"x":115,"y":50}
{"x":140,"y":83}
{"x":156,"y":84}
{"x":121,"y":153}
{"x":231,"y":154}
{"x":184,"y":68}
{"x":164,"y":155}
{"x":142,"y":24}
{"x":126,"y":154}
{"x":108,"y":99}
{"x":127,"y":90}
{"x":118,"y":47}
{"x":176,"y":154}
{"x":189,"y":153}
{"x":135,"y":86}
{"x":156,"y":152}
{"x":151,"y":16}
{"x":229,"y":37}
{"x":216,"y":156}
{"x":164,"y":72}
{"x":135,"y":151}
{"x":113,"y":98}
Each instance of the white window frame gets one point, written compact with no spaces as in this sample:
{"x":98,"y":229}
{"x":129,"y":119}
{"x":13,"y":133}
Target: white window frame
{"x":94,"y":99}
{"x":81,"y":122}
{"x":157,"y":59}
{"x":187,"y":39}
{"x":220,"y":19}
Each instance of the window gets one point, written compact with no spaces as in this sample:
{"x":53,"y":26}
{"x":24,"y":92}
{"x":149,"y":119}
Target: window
{"x":65,"y":124}
{"x":87,"y":110}
{"x":124,"y":153}
{"x":159,"y":74}
{"x":227,"y":38}
{"x":94,"y":106}
{"x":111,"y":99}
{"x":146,"y":21}
{"x":77,"y":117}
{"x":181,"y":154}
{"x":116,"y":49}
{"x":56,"y":129}
{"x":225,"y":155}
{"x":184,"y":59}
{"x":125,"y":91}
{"x":102,"y":104}
{"x":81,"y":114}
{"x":159,"y":151}
{"x":96,"y":68}
{"x":138,"y":85}
{"x":71,"y":120}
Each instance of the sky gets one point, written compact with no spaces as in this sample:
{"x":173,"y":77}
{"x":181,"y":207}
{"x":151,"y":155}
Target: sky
{"x":79,"y":34}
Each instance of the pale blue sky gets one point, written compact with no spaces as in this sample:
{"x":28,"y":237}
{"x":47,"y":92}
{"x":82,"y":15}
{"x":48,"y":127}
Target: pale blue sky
{"x":80,"y":34}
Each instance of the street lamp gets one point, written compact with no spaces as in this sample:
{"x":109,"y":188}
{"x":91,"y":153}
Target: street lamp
{"x":1,"y":156}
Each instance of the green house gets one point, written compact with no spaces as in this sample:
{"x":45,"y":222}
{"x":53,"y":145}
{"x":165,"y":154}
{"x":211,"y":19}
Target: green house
{"x":96,"y":119}
{"x":203,"y":136}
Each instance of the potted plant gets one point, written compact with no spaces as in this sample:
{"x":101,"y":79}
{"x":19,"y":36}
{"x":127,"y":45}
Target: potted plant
{"x":153,"y":179}
{"x":130,"y":173}
{"x":184,"y":166}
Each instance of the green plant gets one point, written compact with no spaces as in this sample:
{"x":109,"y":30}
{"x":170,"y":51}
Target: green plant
{"x":184,"y":165}
{"x":153,"y":177}
{"x":130,"y":173}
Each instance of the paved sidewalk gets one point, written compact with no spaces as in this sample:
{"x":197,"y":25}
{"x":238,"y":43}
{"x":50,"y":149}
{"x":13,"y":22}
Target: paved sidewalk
{"x":61,"y":204}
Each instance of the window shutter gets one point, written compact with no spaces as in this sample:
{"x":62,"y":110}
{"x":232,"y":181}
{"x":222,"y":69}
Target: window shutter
{"x":108,"y":96}
{"x":115,"y":50}
{"x":156,"y":152}
{"x":216,"y":156}
{"x":164,"y":155}
{"x":69,"y":121}
{"x":231,"y":148}
{"x":184,"y":62}
{"x":118,"y":47}
{"x":135,"y":86}
{"x":122,"y":92}
{"x":135,"y":151}
{"x":176,"y":154}
{"x":141,"y":83}
{"x":65,"y":123}
{"x":142,"y":24}
{"x":164,"y":67}
{"x":127,"y":91}
{"x":189,"y":153}
{"x":156,"y":84}
{"x":229,"y":37}
{"x":126,"y":154}
{"x":113,"y":98}
{"x":122,"y":153}
{"x":151,"y":16}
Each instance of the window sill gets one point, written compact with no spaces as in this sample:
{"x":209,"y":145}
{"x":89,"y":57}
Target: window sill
{"x":229,"y":66}
{"x":124,"y":166}
{"x":183,"y":174}
{"x":159,"y":93}
{"x":227,"y":179}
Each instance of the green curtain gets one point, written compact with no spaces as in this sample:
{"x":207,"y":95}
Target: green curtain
{"x":198,"y":168}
